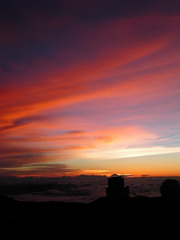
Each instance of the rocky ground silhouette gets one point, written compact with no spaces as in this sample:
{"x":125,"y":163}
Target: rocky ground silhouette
{"x":131,"y":210}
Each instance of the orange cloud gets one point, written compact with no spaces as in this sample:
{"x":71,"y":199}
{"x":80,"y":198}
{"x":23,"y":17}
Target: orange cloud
{"x":125,"y":62}
{"x":21,"y":101}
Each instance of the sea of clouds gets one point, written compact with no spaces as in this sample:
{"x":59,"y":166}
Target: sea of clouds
{"x":74,"y":189}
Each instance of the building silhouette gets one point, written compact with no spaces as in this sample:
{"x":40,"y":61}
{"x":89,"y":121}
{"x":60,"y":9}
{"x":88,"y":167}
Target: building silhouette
{"x":116,"y":188}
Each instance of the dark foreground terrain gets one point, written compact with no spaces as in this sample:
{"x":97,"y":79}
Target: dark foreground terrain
{"x":136,"y":211}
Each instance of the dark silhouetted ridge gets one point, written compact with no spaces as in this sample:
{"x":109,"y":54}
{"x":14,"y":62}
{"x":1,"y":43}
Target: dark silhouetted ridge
{"x":119,"y":210}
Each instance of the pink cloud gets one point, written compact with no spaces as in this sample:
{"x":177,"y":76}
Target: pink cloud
{"x":118,"y":64}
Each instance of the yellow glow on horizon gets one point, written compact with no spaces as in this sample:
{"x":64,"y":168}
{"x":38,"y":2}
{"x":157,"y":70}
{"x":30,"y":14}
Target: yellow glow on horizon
{"x":130,"y":152}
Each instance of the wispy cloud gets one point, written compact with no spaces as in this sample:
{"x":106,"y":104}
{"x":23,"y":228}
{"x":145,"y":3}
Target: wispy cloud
{"x":74,"y":85}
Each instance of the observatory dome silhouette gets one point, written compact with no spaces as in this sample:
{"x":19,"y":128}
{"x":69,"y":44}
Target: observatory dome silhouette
{"x":116,"y":188}
{"x":170,"y":188}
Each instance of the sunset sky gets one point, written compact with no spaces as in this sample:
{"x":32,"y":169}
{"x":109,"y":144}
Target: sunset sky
{"x":89,"y":87}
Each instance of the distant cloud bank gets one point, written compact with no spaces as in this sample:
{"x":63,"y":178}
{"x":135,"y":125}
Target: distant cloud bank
{"x":74,"y":189}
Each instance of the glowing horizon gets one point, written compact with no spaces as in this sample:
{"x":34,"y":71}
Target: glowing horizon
{"x":91,"y":87}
